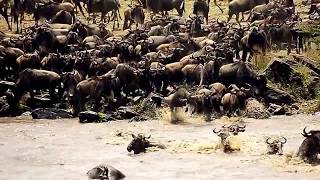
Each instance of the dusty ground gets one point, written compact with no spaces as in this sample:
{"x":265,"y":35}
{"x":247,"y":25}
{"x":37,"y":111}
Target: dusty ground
{"x":65,"y":149}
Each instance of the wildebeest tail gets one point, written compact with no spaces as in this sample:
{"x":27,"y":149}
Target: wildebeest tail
{"x":182,"y":7}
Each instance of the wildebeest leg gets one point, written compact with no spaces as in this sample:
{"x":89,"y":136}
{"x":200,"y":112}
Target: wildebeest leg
{"x":73,"y":17}
{"x":289,"y":47}
{"x":250,"y":55}
{"x":97,"y":103}
{"x":229,"y":18}
{"x":244,"y":54}
{"x":78,"y":4}
{"x":103,"y":17}
{"x":237,"y":19}
{"x":300,"y":43}
{"x":31,"y":97}
{"x":5,"y":15}
{"x":242,"y":19}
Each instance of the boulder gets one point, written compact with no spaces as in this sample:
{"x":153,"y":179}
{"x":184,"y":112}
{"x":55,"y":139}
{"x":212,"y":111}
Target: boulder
{"x":5,"y":85}
{"x":277,"y":96}
{"x":50,"y":113}
{"x":282,"y":71}
{"x":88,"y":117}
{"x":275,"y":109}
{"x":127,"y":113}
{"x":94,"y":117}
{"x":301,"y":75}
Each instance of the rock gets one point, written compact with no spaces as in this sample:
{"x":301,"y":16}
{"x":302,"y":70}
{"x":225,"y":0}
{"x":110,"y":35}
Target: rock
{"x":275,"y":109}
{"x":105,"y":171}
{"x":88,"y":117}
{"x":50,"y":113}
{"x":301,"y":75}
{"x":309,"y":63}
{"x":126,"y":112}
{"x":255,"y":109}
{"x":5,"y":85}
{"x":282,"y":71}
{"x":156,"y":98}
{"x":39,"y":102}
{"x":276,"y":96}
{"x":137,"y":119}
{"x":27,"y":113}
{"x":137,"y":99}
{"x":94,"y":117}
{"x":314,"y":86}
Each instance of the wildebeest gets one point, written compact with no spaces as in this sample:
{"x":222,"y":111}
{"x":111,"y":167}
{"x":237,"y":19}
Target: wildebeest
{"x":46,"y":41}
{"x":33,"y":79}
{"x":140,"y":143}
{"x":95,"y":87}
{"x":310,"y":147}
{"x":224,"y":133}
{"x":164,"y":5}
{"x":103,"y":6}
{"x":4,"y":6}
{"x":177,"y":99}
{"x":240,"y":73}
{"x":133,"y":14}
{"x":201,"y":8}
{"x":275,"y":146}
{"x":237,"y":6}
{"x":62,"y":17}
{"x":253,"y":42}
{"x":283,"y":33}
{"x":105,"y":171}
{"x":49,"y":10}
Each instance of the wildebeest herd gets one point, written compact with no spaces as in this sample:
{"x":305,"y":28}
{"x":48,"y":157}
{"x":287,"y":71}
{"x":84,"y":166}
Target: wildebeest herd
{"x":210,"y":58}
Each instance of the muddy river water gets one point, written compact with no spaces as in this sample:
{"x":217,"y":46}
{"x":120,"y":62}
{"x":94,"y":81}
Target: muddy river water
{"x":65,"y":149}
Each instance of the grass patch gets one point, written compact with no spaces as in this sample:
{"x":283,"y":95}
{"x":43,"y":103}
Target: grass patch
{"x":314,"y":55}
{"x":313,"y":28}
{"x":304,"y":73}
{"x":261,"y":61}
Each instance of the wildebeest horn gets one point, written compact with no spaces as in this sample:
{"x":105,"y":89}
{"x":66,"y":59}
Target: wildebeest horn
{"x":267,"y":140}
{"x":244,"y":126}
{"x":208,"y":48}
{"x":306,"y":134}
{"x":133,"y":136}
{"x":284,"y":140}
{"x":225,"y":126}
{"x":148,"y":137}
{"x":191,"y":17}
{"x":214,"y":130}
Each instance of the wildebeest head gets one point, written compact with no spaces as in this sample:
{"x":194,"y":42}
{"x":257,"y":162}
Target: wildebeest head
{"x":223,"y":133}
{"x":236,"y":128}
{"x":257,"y":40}
{"x":98,"y":172}
{"x":138,"y":144}
{"x":196,"y":24}
{"x":261,"y":83}
{"x":73,"y":38}
{"x":310,"y":147}
{"x":70,"y":81}
{"x":104,"y":171}
{"x":275,"y":146}
{"x":227,"y":131}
